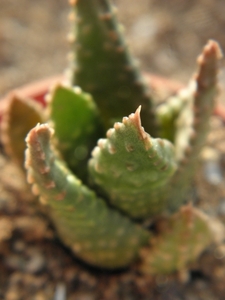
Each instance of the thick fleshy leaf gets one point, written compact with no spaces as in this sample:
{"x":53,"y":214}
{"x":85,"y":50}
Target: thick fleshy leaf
{"x":181,"y":239}
{"x":193,"y":122}
{"x":169,"y":112}
{"x":131,"y":168}
{"x":76,"y":124}
{"x":96,"y":233}
{"x":104,"y":66}
{"x":203,"y":89}
{"x":20,"y":116}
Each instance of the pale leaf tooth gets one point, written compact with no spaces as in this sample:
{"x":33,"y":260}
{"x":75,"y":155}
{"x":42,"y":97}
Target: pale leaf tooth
{"x":43,"y":200}
{"x":71,"y":37}
{"x":30,"y":178}
{"x":114,"y":9}
{"x":71,"y":16}
{"x":110,"y":132}
{"x":117,"y":125}
{"x":77,"y":90}
{"x":35,"y":190}
{"x":125,"y":120}
{"x":95,"y":151}
{"x":101,"y":143}
{"x":28,"y":159}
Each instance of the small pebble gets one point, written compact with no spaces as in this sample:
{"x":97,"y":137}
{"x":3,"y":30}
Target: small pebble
{"x":145,"y":27}
{"x":221,"y":208}
{"x":36,"y":263}
{"x":213,"y":173}
{"x":60,"y":292}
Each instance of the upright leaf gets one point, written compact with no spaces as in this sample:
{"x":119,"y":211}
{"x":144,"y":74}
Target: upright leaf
{"x":104,"y":67}
{"x":193,"y":122}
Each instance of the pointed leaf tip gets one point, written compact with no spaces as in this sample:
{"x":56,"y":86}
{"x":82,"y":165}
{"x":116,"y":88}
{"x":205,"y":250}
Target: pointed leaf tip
{"x":207,"y":61}
{"x":135,"y":119}
{"x":213,"y":49}
{"x":202,"y":93}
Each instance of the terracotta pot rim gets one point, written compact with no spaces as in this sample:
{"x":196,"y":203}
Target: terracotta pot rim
{"x":34,"y":88}
{"x":39,"y":88}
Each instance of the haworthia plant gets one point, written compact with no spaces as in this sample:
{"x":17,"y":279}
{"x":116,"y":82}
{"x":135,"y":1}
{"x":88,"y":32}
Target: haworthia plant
{"x":104,"y":176}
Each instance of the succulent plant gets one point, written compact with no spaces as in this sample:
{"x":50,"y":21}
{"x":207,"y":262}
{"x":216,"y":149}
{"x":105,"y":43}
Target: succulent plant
{"x":117,"y":199}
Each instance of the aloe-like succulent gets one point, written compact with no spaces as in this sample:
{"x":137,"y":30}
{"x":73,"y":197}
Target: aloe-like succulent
{"x":102,"y":190}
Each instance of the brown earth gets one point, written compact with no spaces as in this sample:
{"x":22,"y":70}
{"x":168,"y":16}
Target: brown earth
{"x":33,"y":262}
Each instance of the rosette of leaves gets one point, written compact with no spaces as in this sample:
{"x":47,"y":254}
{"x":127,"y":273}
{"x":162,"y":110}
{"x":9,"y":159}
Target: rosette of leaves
{"x":108,"y":159}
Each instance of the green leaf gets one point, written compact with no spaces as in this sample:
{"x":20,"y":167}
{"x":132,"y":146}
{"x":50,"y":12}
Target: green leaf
{"x":169,"y":112}
{"x":96,"y":233}
{"x":77,"y":126}
{"x":193,"y":122}
{"x":181,"y":239}
{"x":132,"y":168}
{"x":104,"y":66}
{"x":203,"y":89}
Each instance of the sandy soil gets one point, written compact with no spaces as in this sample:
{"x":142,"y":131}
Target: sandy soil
{"x":166,"y":36}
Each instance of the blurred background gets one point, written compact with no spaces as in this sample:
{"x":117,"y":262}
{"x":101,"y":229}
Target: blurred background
{"x":165,"y":35}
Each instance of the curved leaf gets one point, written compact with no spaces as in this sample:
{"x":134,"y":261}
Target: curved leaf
{"x":97,"y":234}
{"x":132,"y":168}
{"x":77,"y":126}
